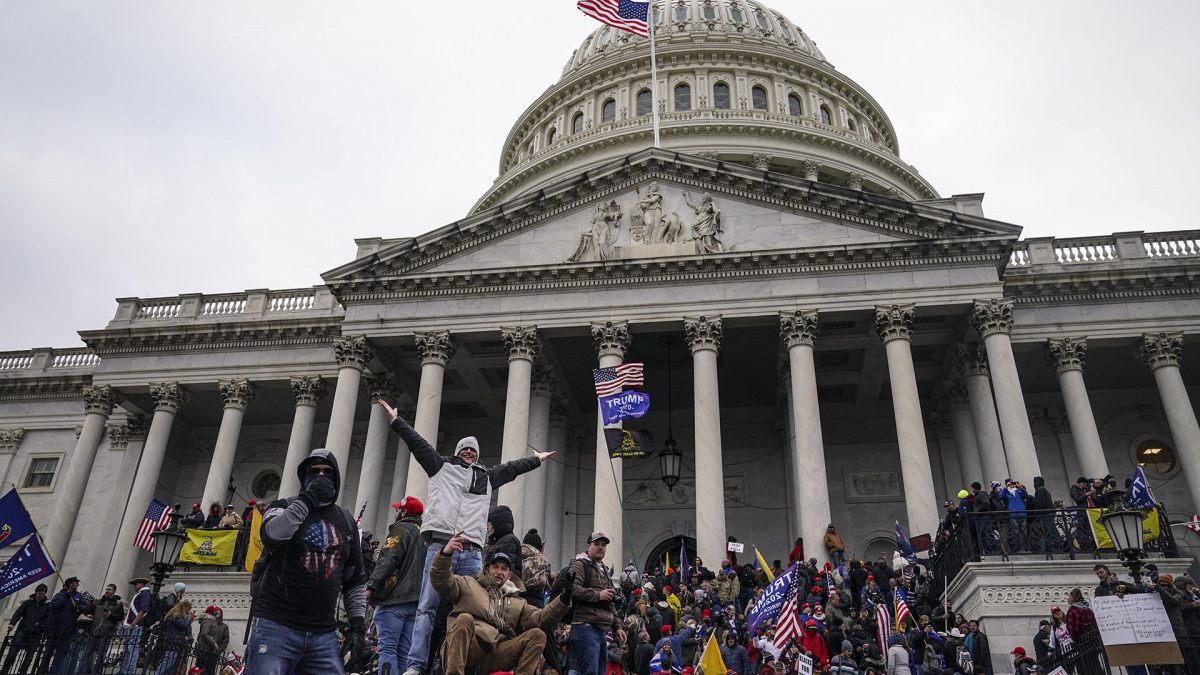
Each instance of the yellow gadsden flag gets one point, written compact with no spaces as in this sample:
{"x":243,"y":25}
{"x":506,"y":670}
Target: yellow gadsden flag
{"x":1151,"y":528}
{"x":711,"y":662}
{"x":255,"y":548}
{"x":209,"y":547}
{"x":763,"y":564}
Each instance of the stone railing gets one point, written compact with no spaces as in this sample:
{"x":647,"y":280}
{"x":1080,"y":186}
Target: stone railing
{"x":246,"y":305}
{"x":41,"y":360}
{"x":1101,"y":250}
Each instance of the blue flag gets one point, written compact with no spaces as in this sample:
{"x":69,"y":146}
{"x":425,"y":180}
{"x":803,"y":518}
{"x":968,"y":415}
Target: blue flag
{"x":1138,"y":495}
{"x":28,"y":565}
{"x":772,"y":599}
{"x":683,"y":570}
{"x":15,"y":523}
{"x":623,"y":406}
{"x":903,"y":546}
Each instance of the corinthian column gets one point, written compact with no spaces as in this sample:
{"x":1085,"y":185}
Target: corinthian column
{"x":704,"y":336}
{"x":379,"y":385}
{"x":972,"y":361}
{"x":993,"y":319}
{"x":523,"y":346}
{"x":798,"y":330}
{"x":308,"y":392}
{"x":1161,"y":352}
{"x":553,"y":467}
{"x":969,"y":464}
{"x":98,"y":403}
{"x":168,"y":397}
{"x":1068,"y":355}
{"x":436,"y":349}
{"x":611,"y":340}
{"x":894,"y":325}
{"x":540,"y":390}
{"x":237,"y":395}
{"x":352,"y":353}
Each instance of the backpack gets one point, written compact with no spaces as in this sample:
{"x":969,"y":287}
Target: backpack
{"x":156,"y":611}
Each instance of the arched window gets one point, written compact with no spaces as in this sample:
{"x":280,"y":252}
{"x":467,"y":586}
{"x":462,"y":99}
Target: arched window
{"x":680,"y":12}
{"x":721,"y":96}
{"x":1156,"y":457}
{"x":787,"y":30}
{"x":762,"y":21}
{"x":577,"y":123}
{"x":602,"y":39}
{"x":850,"y":123}
{"x":735,"y":13}
{"x":529,"y":148}
{"x":657,"y":17}
{"x":608,"y":111}
{"x":758,"y":97}
{"x":795,"y":109}
{"x":683,"y":96}
{"x":826,"y":116}
{"x":644,"y":102}
{"x":550,"y":136}
{"x":710,"y":12}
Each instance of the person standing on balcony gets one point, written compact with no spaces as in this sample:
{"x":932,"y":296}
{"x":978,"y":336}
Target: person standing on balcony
{"x":30,"y":622}
{"x":65,"y":608}
{"x":213,"y":521}
{"x":231,"y":520}
{"x":193,"y":520}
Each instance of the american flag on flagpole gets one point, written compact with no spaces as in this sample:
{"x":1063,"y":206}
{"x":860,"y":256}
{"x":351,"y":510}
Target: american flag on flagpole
{"x":902,"y":613}
{"x":883,"y":626}
{"x":787,"y":624}
{"x":157,"y":517}
{"x":610,"y":381}
{"x":626,"y":15}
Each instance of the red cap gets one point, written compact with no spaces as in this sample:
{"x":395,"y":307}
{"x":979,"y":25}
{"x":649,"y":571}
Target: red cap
{"x":636,"y":591}
{"x":252,"y":502}
{"x":1019,"y":650}
{"x":706,"y":614}
{"x":410,"y":505}
{"x":212,"y":609}
{"x":666,"y":589}
{"x":666,"y":628}
{"x":195,"y":505}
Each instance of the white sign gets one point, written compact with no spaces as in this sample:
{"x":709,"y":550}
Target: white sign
{"x":735,"y":547}
{"x":1132,"y":620}
{"x":804,"y":666}
{"x":1058,"y":671}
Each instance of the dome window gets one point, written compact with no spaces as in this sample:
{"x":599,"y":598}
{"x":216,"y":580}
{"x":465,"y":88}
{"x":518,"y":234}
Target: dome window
{"x":608,"y":111}
{"x":683,"y":97}
{"x":644,"y":102}
{"x":826,"y":116}
{"x":1156,"y":457}
{"x":735,"y":13}
{"x":795,"y":109}
{"x":681,"y":12}
{"x":550,"y":136}
{"x":710,"y":12}
{"x":577,"y":123}
{"x":758,"y":96}
{"x":850,"y":124}
{"x":602,"y":39}
{"x":762,"y":22}
{"x":657,"y":16}
{"x":721,"y":96}
{"x":786,"y":29}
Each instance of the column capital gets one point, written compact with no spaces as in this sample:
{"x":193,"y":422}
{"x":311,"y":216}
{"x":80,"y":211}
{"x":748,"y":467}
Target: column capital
{"x":956,"y":397}
{"x":854,"y":180}
{"x":760,"y":161}
{"x":895,"y":322}
{"x":798,"y":327}
{"x":308,"y":389}
{"x":560,"y":412}
{"x":972,"y":359}
{"x":119,"y":435}
{"x":352,"y":351}
{"x":521,"y":341}
{"x":1066,"y":353}
{"x":812,"y":170}
{"x":237,"y":393}
{"x":10,"y":439}
{"x":703,"y":333}
{"x":992,"y":316}
{"x":611,"y":338}
{"x":100,"y":399}
{"x":541,"y":383}
{"x":435,"y":346}
{"x":381,"y":386}
{"x":169,"y":396}
{"x":1158,"y":350}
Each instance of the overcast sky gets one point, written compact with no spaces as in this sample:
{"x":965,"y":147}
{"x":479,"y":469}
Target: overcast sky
{"x":158,"y":148}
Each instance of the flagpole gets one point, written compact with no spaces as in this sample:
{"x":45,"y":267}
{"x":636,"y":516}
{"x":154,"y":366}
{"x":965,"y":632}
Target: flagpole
{"x":37,"y":533}
{"x":653,"y":72}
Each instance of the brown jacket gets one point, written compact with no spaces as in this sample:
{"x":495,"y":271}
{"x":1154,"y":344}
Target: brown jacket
{"x":500,"y":612}
{"x":833,"y":542}
{"x":589,"y":608}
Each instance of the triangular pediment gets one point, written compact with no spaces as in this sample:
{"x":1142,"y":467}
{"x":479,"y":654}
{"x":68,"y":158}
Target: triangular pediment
{"x":657,"y":206}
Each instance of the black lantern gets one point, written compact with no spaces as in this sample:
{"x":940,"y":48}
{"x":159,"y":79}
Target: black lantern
{"x":670,"y":459}
{"x":167,"y":543}
{"x":1124,"y":525}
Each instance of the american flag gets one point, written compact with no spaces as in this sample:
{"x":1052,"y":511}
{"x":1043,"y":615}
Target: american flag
{"x":883,"y":626}
{"x":609,"y":381}
{"x":902,"y":613}
{"x":1194,"y":523}
{"x":623,"y":14}
{"x":157,"y":517}
{"x":787,"y":624}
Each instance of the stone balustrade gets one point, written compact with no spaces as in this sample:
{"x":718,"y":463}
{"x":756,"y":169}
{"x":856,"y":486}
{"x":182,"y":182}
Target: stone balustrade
{"x":41,"y":360}
{"x":256,"y":303}
{"x":1107,"y":249}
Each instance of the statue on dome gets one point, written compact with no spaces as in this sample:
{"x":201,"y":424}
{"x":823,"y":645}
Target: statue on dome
{"x":596,"y":244}
{"x":651,"y":206}
{"x":706,"y":230}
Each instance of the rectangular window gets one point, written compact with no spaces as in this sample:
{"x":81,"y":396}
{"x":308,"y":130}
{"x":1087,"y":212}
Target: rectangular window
{"x":40,"y":475}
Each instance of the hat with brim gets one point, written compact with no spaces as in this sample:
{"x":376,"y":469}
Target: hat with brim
{"x":139,"y":580}
{"x":598,"y":536}
{"x":498,"y":555}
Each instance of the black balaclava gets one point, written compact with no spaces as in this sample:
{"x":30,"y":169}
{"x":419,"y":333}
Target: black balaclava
{"x":320,"y":456}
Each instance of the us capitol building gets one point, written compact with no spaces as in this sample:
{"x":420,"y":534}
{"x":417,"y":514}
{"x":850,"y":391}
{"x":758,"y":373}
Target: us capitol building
{"x":826,"y":337}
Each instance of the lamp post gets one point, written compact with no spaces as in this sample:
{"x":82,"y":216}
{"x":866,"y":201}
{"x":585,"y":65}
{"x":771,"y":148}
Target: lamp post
{"x":670,"y":458}
{"x":167,"y":543}
{"x":1124,"y":525}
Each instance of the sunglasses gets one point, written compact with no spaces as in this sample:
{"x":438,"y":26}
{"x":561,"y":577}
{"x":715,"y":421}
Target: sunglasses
{"x":321,"y":471}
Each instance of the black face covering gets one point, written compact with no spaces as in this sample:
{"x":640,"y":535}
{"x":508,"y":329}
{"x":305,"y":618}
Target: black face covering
{"x":309,"y":480}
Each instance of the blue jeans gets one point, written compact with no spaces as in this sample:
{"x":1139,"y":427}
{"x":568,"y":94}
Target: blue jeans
{"x":588,"y":646}
{"x":132,"y":636}
{"x":838,"y":557}
{"x":275,"y":649}
{"x":394,"y":624}
{"x":466,"y":563}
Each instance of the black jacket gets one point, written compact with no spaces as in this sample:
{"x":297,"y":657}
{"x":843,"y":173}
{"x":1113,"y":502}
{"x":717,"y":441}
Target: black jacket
{"x":30,"y":617}
{"x":1041,"y":496}
{"x":65,"y":608}
{"x":402,"y":557}
{"x":502,"y":537}
{"x":1041,"y":646}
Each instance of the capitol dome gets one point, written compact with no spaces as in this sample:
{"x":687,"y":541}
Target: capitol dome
{"x":737,"y":82}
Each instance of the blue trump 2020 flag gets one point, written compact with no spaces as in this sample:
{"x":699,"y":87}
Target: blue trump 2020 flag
{"x":903,"y":546}
{"x":772,"y":599}
{"x":623,"y":406}
{"x":1138,"y":495}
{"x":30,"y":564}
{"x":15,"y":523}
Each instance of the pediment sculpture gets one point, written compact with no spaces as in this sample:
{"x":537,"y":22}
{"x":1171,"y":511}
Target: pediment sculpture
{"x":596,"y":243}
{"x":653,"y":229}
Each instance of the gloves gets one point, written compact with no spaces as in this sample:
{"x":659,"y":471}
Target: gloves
{"x":319,"y":491}
{"x":356,"y":637}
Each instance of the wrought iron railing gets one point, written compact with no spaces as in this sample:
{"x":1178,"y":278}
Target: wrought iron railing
{"x":83,"y":652}
{"x":1087,"y":656}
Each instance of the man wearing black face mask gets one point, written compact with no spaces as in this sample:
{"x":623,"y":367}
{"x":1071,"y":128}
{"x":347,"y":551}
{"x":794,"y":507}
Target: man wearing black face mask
{"x":310,"y":556}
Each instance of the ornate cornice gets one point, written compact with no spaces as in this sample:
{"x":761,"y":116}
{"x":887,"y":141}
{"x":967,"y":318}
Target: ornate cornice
{"x":352,"y":351}
{"x":541,"y":383}
{"x":992,"y":316}
{"x":308,"y":389}
{"x":10,"y":439}
{"x":381,"y":386}
{"x":237,"y":393}
{"x":798,"y":327}
{"x":187,"y":338}
{"x":521,"y":342}
{"x":972,"y":359}
{"x":435,"y":347}
{"x":169,"y":396}
{"x":44,"y":388}
{"x":611,"y":338}
{"x":1159,"y":350}
{"x":895,"y":322}
{"x":1066,"y":353}
{"x":100,"y":399}
{"x":703,"y":333}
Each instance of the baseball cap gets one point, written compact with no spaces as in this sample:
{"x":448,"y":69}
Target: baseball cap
{"x":1019,"y":650}
{"x":597,"y":536}
{"x":410,"y":505}
{"x":195,"y":505}
{"x":498,"y":555}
